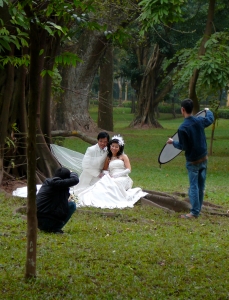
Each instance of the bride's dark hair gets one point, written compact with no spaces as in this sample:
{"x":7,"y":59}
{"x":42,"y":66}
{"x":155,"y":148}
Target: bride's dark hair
{"x":121,"y":148}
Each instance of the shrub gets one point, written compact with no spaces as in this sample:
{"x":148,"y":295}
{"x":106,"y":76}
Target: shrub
{"x":167,"y":108}
{"x":224,"y":113}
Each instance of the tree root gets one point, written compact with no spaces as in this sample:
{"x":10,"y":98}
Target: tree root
{"x":145,"y":201}
{"x":175,"y":204}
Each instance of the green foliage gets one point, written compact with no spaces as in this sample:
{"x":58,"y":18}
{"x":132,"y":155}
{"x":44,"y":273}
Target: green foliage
{"x":9,"y":142}
{"x":14,"y":127}
{"x":67,"y":58}
{"x":18,"y":21}
{"x":2,"y":2}
{"x":16,"y":61}
{"x":223,"y":113}
{"x":167,"y":108}
{"x":160,"y":11}
{"x":119,"y":37}
{"x":56,"y":83}
{"x":214,"y":72}
{"x":64,"y":13}
{"x":6,"y":39}
{"x":214,"y":64}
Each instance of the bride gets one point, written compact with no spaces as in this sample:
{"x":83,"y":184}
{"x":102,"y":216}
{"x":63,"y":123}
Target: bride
{"x":114,"y":189}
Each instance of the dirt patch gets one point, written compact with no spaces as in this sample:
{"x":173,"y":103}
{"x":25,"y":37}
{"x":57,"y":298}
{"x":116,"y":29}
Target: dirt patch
{"x":9,"y":185}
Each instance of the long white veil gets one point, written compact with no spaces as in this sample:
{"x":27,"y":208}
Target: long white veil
{"x":68,"y":158}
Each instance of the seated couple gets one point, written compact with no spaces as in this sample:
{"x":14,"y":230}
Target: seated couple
{"x":105,"y":182}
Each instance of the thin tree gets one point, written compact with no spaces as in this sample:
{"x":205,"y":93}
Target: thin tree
{"x":202,"y":50}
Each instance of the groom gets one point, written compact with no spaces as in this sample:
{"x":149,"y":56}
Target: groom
{"x":93,"y":162}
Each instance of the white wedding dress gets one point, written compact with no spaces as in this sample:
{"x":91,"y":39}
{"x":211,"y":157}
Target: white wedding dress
{"x":111,"y":192}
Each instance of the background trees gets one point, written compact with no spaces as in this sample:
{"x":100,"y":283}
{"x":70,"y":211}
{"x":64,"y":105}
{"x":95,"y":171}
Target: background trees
{"x":106,"y":27}
{"x":155,"y":49}
{"x":167,"y":55}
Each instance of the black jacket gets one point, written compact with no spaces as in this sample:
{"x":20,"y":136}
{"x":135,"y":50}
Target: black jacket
{"x":52,"y":198}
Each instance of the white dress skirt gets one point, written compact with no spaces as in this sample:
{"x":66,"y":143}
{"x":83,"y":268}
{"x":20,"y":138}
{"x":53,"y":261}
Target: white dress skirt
{"x":111,"y":192}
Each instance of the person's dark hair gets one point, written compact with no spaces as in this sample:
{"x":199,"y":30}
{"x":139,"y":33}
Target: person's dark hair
{"x":62,"y":173}
{"x":103,"y":135}
{"x":187,"y":104}
{"x":121,"y":148}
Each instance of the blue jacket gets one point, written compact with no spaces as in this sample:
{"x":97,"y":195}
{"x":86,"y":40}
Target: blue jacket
{"x":192,"y":137}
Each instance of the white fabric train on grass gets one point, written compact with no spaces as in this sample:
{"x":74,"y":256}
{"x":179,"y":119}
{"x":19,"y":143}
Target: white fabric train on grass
{"x":67,"y":158}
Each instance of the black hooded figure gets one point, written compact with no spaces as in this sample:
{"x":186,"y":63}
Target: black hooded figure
{"x":53,"y":206}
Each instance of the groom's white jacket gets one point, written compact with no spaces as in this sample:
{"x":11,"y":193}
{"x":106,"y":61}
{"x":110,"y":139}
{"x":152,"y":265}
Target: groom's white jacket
{"x":92,"y":165}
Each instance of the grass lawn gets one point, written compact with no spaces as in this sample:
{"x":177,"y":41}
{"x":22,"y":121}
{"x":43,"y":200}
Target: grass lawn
{"x":142,"y":253}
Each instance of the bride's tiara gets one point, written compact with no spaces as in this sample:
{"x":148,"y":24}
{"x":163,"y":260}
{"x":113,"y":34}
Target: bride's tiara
{"x":119,"y":138}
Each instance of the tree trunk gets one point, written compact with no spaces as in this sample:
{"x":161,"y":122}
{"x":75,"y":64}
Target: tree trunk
{"x":227,"y":103}
{"x":202,"y":50}
{"x":212,"y":138}
{"x":19,"y":117}
{"x":47,"y":88}
{"x":4,"y":114}
{"x":76,"y":133}
{"x":173,"y":108}
{"x":120,"y":91}
{"x":36,"y":65}
{"x":105,"y":108}
{"x":46,"y":163}
{"x":21,"y":103}
{"x":71,"y":111}
{"x":213,"y":129}
{"x":126,"y":91}
{"x":147,"y":98}
{"x":133,"y":106}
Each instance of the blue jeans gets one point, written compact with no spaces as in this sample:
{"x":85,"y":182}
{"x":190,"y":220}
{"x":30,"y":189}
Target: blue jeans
{"x":51,"y":225}
{"x":197,"y":177}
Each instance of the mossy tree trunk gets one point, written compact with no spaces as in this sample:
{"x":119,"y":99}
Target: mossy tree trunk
{"x":70,"y":112}
{"x":105,"y":107}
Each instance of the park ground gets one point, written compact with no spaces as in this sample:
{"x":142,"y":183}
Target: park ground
{"x":139,"y":253}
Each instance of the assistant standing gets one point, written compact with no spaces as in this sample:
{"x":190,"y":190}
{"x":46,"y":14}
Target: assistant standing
{"x":192,"y":140}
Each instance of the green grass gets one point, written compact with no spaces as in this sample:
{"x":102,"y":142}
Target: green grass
{"x":144,"y":252}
